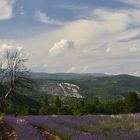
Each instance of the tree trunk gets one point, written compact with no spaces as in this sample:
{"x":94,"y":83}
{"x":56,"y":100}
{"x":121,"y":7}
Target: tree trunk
{"x":9,"y":91}
{"x":1,"y":104}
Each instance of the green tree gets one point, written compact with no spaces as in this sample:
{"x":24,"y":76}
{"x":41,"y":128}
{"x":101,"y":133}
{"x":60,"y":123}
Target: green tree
{"x":78,"y":107}
{"x":58,"y":106}
{"x":58,"y":102}
{"x":93,"y":106}
{"x":114,"y":107}
{"x":132,"y":102}
{"x":44,"y":109}
{"x":89,"y":108}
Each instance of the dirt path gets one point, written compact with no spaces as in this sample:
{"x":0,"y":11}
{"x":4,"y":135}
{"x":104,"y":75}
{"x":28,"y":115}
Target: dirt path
{"x":50,"y":136}
{"x":6,"y":132}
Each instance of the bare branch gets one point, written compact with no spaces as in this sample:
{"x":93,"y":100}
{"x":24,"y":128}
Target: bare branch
{"x":15,"y":72}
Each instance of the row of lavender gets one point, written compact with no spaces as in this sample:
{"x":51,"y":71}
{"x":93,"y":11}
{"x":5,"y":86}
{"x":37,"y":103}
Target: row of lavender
{"x":58,"y":126}
{"x":24,"y":130}
{"x":90,"y":127}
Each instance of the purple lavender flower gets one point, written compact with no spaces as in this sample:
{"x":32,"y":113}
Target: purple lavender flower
{"x":24,"y":130}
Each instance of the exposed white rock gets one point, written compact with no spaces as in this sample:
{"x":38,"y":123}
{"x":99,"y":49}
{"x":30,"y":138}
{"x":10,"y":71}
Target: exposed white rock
{"x":70,"y":90}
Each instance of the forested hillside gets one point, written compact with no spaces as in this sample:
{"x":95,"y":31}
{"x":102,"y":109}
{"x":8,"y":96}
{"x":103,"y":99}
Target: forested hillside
{"x":105,"y":88}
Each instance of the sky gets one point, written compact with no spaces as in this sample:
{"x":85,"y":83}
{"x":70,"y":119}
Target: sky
{"x":75,"y":36}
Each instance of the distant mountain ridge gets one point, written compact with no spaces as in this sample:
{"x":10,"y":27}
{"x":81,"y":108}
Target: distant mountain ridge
{"x":65,"y":76}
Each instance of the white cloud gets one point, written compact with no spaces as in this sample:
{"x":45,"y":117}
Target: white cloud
{"x":108,"y":50}
{"x":45,"y":65}
{"x":44,"y":18}
{"x":6,"y":9}
{"x":133,"y":49}
{"x":21,"y":11}
{"x":71,"y":69}
{"x":113,"y":21}
{"x":115,"y":32}
{"x":73,"y":7}
{"x":4,"y":47}
{"x":61,"y":47}
{"x":131,"y":2}
{"x":85,"y":69}
{"x":85,"y":31}
{"x":11,"y":47}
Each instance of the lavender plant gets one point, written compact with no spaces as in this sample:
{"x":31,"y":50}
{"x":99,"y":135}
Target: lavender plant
{"x":88,"y":127}
{"x":24,"y":130}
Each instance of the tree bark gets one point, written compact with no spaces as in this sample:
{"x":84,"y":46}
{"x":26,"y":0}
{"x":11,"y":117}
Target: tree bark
{"x":9,"y":91}
{"x":1,"y":104}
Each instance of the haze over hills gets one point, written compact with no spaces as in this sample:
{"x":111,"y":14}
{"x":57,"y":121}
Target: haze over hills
{"x":65,"y":76}
{"x":86,"y":85}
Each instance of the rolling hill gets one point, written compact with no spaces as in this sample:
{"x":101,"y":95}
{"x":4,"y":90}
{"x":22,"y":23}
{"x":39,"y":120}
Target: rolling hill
{"x":88,"y":86}
{"x":110,"y":87}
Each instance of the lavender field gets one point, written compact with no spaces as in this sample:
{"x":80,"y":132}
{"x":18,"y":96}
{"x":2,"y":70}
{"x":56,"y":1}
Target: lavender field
{"x":88,"y":127}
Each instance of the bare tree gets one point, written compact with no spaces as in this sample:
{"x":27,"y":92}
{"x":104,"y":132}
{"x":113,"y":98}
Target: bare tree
{"x":1,"y":87}
{"x":1,"y":65}
{"x":15,"y":72}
